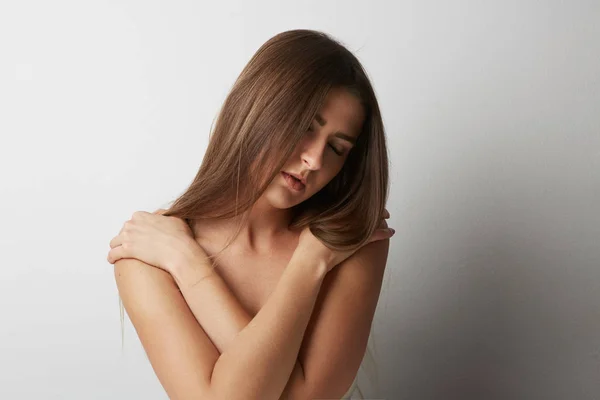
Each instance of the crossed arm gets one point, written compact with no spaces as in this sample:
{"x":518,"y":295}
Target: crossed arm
{"x":306,"y":342}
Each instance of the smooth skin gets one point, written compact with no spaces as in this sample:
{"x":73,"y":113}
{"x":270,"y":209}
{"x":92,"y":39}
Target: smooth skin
{"x":308,"y":338}
{"x":163,"y":300}
{"x":162,"y":241}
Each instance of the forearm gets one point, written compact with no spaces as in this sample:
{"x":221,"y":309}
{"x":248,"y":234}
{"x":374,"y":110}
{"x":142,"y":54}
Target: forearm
{"x":217,"y":310}
{"x":258,"y":355}
{"x":211,"y":301}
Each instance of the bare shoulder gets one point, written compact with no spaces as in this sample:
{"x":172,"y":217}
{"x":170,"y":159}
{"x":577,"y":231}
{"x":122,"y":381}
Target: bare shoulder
{"x":368,"y":262}
{"x":363,"y":271}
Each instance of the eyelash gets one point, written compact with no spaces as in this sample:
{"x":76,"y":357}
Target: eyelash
{"x":337,"y":153}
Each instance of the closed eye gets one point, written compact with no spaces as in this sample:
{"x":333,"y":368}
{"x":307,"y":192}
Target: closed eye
{"x":335,"y":150}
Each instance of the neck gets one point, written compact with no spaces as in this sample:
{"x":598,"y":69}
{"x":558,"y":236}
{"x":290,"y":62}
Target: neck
{"x":263,"y":228}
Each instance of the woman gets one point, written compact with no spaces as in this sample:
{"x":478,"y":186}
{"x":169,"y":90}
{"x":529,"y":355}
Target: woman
{"x":266,"y":271}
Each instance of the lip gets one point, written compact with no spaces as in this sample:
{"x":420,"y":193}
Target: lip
{"x":289,"y":184}
{"x":299,"y":177}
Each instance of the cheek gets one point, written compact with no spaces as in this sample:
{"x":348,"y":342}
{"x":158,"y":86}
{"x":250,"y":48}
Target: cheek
{"x":324,"y":178}
{"x":336,"y":167}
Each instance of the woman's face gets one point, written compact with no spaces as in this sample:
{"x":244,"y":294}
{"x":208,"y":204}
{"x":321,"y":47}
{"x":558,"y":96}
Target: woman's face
{"x":321,"y":153}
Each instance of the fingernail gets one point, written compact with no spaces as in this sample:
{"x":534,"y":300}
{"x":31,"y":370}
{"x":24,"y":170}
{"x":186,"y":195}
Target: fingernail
{"x":393,"y":230}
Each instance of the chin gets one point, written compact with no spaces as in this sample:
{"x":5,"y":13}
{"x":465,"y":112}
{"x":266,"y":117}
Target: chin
{"x":281,"y":201}
{"x":281,"y":198}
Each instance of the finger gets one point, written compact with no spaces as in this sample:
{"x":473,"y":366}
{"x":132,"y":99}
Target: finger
{"x":120,"y":231}
{"x":126,"y":250}
{"x":383,"y":224}
{"x":382,"y":234}
{"x":139,"y":214}
{"x":115,"y":254}
{"x":116,"y":241}
{"x":160,"y":211}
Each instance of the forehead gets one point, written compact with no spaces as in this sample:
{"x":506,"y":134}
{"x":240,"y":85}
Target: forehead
{"x":343,"y":112}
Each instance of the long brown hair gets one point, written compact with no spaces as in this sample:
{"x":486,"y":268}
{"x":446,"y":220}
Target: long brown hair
{"x":267,"y":112}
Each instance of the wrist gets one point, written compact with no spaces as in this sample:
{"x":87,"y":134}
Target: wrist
{"x":317,"y":266}
{"x":190,"y":267}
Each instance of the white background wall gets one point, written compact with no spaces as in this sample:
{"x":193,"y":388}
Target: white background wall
{"x":492,"y":112}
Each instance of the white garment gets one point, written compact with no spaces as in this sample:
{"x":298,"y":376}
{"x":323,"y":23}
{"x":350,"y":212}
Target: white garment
{"x":350,"y":391}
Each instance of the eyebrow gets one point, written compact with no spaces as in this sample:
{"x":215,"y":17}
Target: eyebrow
{"x":339,"y":134}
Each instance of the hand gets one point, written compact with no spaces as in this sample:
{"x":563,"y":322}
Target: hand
{"x":313,"y":247}
{"x":154,"y":239}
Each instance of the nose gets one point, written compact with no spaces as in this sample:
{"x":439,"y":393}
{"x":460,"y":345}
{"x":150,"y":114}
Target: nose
{"x":312,"y":156}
